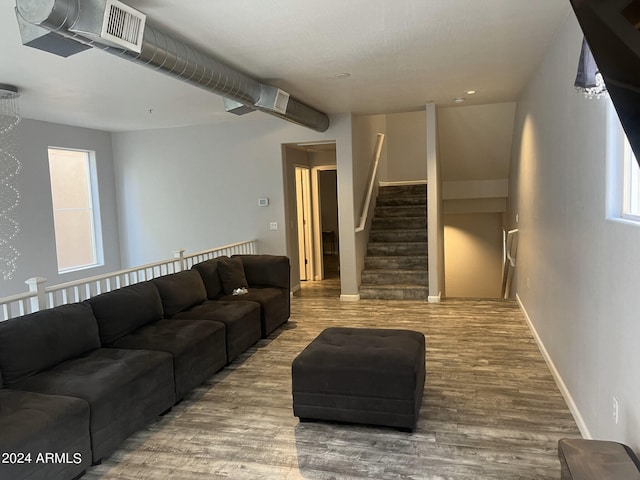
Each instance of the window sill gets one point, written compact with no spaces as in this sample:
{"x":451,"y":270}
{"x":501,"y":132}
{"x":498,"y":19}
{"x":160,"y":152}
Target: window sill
{"x":79,"y":269}
{"x":634,"y":222}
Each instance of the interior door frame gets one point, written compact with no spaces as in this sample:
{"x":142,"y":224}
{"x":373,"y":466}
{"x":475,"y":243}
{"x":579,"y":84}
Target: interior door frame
{"x":317,"y":219}
{"x":304,"y":221}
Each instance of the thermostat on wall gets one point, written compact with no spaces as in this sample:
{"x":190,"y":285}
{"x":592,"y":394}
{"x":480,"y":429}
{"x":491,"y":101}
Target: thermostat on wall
{"x":263,"y":202}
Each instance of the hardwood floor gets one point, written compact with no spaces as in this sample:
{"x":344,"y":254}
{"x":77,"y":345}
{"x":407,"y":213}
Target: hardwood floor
{"x":491,"y":409}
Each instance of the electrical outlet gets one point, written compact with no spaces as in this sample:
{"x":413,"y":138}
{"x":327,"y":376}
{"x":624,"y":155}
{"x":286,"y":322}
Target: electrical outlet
{"x":273,"y":226}
{"x":616,"y":410}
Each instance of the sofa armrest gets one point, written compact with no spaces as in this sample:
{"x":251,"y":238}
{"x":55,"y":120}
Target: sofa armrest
{"x":266,"y":270}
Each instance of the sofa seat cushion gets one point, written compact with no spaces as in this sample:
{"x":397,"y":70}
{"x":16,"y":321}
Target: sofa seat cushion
{"x":125,"y":389}
{"x":41,"y":340}
{"x":274,"y":306}
{"x":197,"y":346}
{"x":241,"y":321}
{"x":121,"y":311}
{"x":33,"y":423}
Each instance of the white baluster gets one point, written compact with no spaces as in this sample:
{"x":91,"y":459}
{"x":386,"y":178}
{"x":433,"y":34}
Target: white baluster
{"x":36,"y":284}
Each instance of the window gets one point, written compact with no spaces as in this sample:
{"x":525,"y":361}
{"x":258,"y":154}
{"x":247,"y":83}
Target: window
{"x":75,"y":209}
{"x":623,"y":172}
{"x":631,"y":200}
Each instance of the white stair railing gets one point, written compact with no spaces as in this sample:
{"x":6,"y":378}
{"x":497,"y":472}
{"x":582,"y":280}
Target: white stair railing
{"x":509,"y":261}
{"x":241,"y":248}
{"x":40,"y":297}
{"x":372,"y":183}
{"x":17,"y":305}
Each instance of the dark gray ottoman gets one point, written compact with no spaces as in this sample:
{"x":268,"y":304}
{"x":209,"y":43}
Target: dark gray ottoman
{"x":361,"y":375}
{"x":582,"y":459}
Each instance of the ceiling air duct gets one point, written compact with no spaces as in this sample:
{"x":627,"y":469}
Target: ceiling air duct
{"x":57,"y":26}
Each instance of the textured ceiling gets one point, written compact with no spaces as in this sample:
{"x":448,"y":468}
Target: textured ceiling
{"x":399,"y":56}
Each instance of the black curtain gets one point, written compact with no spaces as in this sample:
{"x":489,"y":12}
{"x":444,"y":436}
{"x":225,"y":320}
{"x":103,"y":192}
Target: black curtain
{"x":589,"y":79}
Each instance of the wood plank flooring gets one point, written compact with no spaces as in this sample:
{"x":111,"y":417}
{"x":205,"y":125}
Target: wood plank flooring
{"x":491,"y":409}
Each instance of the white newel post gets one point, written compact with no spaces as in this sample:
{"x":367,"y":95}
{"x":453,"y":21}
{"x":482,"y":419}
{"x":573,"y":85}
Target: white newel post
{"x":36,"y":285}
{"x":180,"y":255}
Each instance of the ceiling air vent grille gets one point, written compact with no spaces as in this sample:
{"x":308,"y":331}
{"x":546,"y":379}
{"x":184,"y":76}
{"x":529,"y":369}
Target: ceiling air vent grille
{"x":273,"y":99}
{"x":282,"y":100}
{"x":123,"y":25}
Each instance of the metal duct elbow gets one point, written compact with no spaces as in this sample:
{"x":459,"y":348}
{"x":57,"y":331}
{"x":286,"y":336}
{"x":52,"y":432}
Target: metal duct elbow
{"x":160,"y":51}
{"x":53,"y":15}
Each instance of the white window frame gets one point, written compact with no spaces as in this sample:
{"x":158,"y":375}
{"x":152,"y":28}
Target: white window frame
{"x":631,"y":192}
{"x":94,"y":211}
{"x":623,"y":178}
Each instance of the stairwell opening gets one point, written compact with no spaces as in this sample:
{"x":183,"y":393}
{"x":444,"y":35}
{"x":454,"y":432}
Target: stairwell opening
{"x":396,"y":263}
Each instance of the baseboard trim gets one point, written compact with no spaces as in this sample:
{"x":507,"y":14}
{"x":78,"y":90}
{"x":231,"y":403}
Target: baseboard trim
{"x":295,"y":289}
{"x":573,"y":408}
{"x":407,"y":182}
{"x":434,"y":298}
{"x":350,"y":298}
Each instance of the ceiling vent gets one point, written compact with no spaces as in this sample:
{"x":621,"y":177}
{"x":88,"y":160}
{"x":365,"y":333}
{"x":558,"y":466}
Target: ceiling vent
{"x":123,"y":25}
{"x":282,"y":100}
{"x":273,"y":99}
{"x":111,"y":23}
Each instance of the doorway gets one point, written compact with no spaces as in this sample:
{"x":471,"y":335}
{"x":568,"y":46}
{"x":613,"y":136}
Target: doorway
{"x":310,"y":181}
{"x":303,"y":209}
{"x":325,"y":209}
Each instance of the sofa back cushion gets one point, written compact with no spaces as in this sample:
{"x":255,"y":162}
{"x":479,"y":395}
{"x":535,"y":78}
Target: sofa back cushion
{"x":231,"y":274}
{"x":41,"y":340}
{"x":208,"y":270}
{"x":180,"y":291}
{"x":266,"y":270}
{"x":122,"y":311}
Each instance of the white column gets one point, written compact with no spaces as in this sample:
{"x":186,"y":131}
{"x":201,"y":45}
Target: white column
{"x":36,"y":285}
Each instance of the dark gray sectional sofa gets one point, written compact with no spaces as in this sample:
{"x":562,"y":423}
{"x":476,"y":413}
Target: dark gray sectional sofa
{"x":267,"y":285}
{"x":77,"y":379}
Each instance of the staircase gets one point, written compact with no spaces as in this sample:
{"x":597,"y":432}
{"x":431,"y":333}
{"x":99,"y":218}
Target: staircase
{"x":396,"y":266}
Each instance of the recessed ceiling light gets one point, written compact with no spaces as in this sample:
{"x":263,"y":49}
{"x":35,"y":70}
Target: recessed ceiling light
{"x":470,"y":92}
{"x":458,"y":100}
{"x":342,"y":75}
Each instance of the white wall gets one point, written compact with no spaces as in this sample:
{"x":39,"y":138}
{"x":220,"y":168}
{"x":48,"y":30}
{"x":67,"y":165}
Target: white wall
{"x":323,"y":158}
{"x":198,"y":187}
{"x":365,"y":131}
{"x":577,"y":272}
{"x":406,"y":147}
{"x":36,"y":240}
{"x":473,"y":255}
{"x":475,"y":141}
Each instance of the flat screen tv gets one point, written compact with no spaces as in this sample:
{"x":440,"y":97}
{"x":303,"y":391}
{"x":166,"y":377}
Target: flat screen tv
{"x":612,"y":30}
